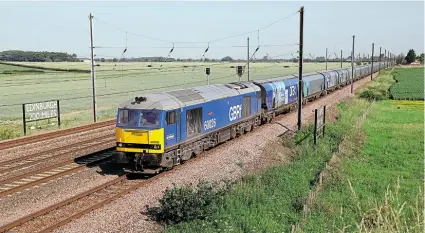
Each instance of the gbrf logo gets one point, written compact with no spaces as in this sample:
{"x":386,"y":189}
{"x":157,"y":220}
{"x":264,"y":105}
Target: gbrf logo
{"x":235,"y":112}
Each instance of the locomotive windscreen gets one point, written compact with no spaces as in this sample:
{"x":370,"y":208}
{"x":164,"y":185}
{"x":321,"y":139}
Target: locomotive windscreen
{"x":137,"y":118}
{"x":149,"y":119}
{"x":127,"y":117}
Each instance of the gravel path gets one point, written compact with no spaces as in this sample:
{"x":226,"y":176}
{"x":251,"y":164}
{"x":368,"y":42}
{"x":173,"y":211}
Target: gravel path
{"x":32,"y":148}
{"x":228,"y":161}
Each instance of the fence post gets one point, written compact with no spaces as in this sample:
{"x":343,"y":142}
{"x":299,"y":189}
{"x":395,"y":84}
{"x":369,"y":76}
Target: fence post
{"x":24,"y":120}
{"x":320,"y":179}
{"x":315,"y":126}
{"x":324,"y":120}
{"x":59,"y":115}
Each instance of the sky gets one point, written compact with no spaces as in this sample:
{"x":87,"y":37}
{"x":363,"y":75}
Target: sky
{"x":63,"y":26}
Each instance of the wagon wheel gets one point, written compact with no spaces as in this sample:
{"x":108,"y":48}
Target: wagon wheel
{"x":232,"y":133}
{"x":168,"y":168}
{"x":249,"y":128}
{"x":241,"y":131}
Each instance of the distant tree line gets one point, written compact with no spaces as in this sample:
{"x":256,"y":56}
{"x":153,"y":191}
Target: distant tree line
{"x":409,"y":58}
{"x":30,"y":56}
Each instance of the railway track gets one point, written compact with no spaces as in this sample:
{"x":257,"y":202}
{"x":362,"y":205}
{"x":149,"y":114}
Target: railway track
{"x":29,"y":160}
{"x":21,"y":182}
{"x":41,"y":137}
{"x":59,"y":214}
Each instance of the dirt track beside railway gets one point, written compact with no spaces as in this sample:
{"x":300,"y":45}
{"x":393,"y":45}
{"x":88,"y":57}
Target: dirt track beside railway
{"x":231,"y":160}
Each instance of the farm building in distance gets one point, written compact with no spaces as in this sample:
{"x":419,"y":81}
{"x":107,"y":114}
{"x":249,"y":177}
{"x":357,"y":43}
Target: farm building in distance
{"x":415,"y":63}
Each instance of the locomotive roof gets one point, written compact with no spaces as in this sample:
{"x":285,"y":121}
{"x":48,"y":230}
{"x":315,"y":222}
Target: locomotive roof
{"x":174,"y":99}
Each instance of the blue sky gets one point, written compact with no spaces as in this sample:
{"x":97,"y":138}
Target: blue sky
{"x":64,"y":26}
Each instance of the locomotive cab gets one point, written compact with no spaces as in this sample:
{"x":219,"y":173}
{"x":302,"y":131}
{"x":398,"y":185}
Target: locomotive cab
{"x":139,"y":131}
{"x":139,"y":136}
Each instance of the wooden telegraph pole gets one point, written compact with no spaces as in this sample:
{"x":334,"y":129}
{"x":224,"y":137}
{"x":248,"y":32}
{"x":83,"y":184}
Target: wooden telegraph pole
{"x":92,"y":67}
{"x":326,"y":59}
{"x":300,"y":66}
{"x":247,"y":57}
{"x":371,"y":72}
{"x":352,"y":66}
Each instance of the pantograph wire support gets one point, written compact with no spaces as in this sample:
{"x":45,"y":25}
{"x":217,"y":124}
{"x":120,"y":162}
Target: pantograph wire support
{"x":168,"y":57}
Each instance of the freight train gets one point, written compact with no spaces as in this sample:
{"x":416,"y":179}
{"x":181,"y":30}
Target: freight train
{"x":158,"y":131}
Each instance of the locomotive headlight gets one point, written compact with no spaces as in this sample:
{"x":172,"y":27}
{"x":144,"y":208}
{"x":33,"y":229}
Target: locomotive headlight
{"x":119,"y":144}
{"x":156,"y":147}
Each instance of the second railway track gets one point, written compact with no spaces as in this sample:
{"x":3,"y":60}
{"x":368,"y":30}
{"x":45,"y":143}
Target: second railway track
{"x":32,"y":159}
{"x":47,"y":136}
{"x":30,"y":179}
{"x":59,"y":214}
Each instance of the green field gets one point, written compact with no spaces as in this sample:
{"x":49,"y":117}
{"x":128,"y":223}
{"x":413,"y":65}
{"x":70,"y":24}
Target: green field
{"x":117,"y":82}
{"x":382,"y":184}
{"x":409,"y":85}
{"x":7,"y":70}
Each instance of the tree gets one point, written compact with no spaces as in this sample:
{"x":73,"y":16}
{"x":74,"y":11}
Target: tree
{"x":227,"y":58}
{"x":102,"y":59}
{"x":265,"y":58}
{"x":399,"y":59}
{"x":411,"y":56}
{"x":420,"y":58}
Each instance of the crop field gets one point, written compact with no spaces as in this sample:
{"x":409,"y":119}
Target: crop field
{"x":116,"y":82}
{"x":409,"y":85}
{"x":12,"y":70}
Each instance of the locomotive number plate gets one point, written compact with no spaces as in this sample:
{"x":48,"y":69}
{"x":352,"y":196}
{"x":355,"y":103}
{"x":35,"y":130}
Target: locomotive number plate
{"x":137,"y":133}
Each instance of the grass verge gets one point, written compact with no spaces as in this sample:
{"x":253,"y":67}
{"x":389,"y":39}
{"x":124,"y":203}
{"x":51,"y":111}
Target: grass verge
{"x":272,"y":201}
{"x":377,"y":187}
{"x":378,"y":90}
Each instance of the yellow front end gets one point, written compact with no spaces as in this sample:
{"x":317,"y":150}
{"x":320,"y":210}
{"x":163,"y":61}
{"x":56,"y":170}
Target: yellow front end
{"x":140,"y":140}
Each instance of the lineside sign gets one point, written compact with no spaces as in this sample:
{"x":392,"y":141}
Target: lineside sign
{"x":40,"y":111}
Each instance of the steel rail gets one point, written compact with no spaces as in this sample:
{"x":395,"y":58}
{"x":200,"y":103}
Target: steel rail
{"x":32,"y":158}
{"x":58,"y":205}
{"x":118,"y":192}
{"x":59,"y":133}
{"x":45,"y":174}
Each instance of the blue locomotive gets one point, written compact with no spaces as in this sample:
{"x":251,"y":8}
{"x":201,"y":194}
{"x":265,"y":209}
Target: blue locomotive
{"x":155,"y":132}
